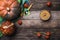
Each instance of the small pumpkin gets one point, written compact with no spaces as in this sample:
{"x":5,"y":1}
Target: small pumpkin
{"x":26,"y":5}
{"x":49,"y":4}
{"x":7,"y":28}
{"x":9,"y":9}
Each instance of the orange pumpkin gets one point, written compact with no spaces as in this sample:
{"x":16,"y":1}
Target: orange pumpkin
{"x":9,"y":9}
{"x":7,"y":28}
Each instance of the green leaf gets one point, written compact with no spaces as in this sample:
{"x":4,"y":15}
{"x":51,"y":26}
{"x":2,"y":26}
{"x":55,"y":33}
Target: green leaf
{"x":19,"y":1}
{"x":1,"y":19}
{"x":1,"y":34}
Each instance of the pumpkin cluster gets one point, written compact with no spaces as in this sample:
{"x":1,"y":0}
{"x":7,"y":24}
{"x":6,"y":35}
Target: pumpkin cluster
{"x":9,"y":10}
